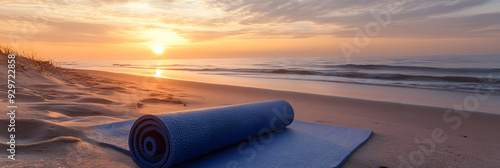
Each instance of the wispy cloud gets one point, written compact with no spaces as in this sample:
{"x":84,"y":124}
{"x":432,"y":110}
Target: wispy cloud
{"x":115,"y":21}
{"x":79,"y":32}
{"x":410,"y":18}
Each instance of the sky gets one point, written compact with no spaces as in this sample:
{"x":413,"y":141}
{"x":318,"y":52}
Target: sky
{"x":130,"y":29}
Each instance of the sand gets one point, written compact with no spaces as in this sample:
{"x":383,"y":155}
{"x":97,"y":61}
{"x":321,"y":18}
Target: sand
{"x":57,"y":105}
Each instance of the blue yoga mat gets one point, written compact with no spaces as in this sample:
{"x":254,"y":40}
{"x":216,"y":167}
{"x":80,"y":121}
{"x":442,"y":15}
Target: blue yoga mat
{"x":249,"y":135}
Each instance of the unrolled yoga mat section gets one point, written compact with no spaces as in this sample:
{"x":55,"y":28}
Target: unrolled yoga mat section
{"x":248,"y":135}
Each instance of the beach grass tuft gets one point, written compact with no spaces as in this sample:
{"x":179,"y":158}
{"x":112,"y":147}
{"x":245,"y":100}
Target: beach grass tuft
{"x":30,"y":54}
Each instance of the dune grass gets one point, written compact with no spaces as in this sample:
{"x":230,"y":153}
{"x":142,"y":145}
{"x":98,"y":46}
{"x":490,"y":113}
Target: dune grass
{"x":29,"y":54}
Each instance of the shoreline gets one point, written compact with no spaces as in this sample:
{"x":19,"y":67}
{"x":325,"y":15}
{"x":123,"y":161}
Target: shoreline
{"x":374,"y":92}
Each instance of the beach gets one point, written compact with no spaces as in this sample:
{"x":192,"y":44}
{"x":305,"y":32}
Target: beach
{"x":56,"y":107}
{"x":216,"y":83}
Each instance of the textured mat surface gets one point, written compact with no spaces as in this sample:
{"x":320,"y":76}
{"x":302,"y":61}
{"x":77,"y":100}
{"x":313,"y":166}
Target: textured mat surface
{"x":248,"y":135}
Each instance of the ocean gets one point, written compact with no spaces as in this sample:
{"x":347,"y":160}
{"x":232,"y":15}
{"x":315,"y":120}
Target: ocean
{"x":469,"y":74}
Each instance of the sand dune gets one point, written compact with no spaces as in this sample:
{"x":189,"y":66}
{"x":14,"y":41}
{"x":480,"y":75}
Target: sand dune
{"x":55,"y":106}
{"x":32,"y":131}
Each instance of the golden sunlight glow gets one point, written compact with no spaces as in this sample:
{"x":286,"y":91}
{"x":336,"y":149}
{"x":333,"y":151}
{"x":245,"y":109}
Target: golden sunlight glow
{"x":163,"y":38}
{"x":158,"y":50}
{"x":158,"y":73}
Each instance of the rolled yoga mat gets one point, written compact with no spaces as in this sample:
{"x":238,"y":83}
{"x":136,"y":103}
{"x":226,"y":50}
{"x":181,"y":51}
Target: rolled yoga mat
{"x":248,"y":135}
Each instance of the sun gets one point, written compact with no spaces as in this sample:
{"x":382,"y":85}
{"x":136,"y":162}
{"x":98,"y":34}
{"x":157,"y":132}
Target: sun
{"x":158,"y":50}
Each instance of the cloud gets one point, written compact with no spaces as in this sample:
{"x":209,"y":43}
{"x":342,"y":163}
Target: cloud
{"x":410,"y":18}
{"x":80,"y":27}
{"x":204,"y":35}
{"x":450,"y":27}
{"x":99,"y":3}
{"x":480,"y":25}
{"x":282,"y":31}
{"x":344,"y":12}
{"x":94,"y":21}
{"x":80,"y":32}
{"x":69,"y":32}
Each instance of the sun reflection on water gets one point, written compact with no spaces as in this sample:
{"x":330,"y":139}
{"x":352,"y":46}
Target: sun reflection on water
{"x":158,"y":73}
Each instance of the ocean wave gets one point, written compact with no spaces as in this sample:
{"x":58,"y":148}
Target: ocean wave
{"x":122,"y":65}
{"x":359,"y":75}
{"x":276,"y":71}
{"x":413,"y":68}
{"x":405,"y":77}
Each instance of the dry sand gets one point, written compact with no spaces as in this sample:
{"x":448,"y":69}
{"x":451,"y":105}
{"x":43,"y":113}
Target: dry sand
{"x":56,"y":106}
